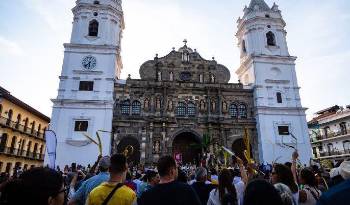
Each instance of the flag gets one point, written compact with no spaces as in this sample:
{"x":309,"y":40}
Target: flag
{"x":51,"y":144}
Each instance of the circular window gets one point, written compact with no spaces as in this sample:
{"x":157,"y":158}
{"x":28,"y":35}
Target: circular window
{"x":185,"y":76}
{"x":95,"y":14}
{"x":275,"y":71}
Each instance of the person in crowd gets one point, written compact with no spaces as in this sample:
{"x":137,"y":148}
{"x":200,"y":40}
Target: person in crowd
{"x":169,"y":191}
{"x":87,"y":186}
{"x":200,"y":187}
{"x":213,"y":176}
{"x":310,"y":194}
{"x":39,"y":186}
{"x":339,"y":194}
{"x":282,"y":174}
{"x":335,"y":177}
{"x":285,"y":193}
{"x":151,"y":180}
{"x":113,"y":191}
{"x":260,"y":192}
{"x":182,"y":177}
{"x":226,"y":192}
{"x":129,"y":182}
{"x":239,"y":184}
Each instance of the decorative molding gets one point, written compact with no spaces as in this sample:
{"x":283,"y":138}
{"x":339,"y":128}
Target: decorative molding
{"x":277,"y":81}
{"x":88,"y":72}
{"x":78,"y":143}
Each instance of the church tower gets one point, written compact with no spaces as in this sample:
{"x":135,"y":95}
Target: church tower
{"x":91,"y":65}
{"x":268,"y":68}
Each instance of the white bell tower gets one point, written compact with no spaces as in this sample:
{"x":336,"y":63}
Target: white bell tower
{"x":267,"y":67}
{"x":91,"y":65}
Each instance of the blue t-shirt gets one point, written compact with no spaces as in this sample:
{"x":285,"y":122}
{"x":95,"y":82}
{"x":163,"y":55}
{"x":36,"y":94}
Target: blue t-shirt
{"x":338,"y":195}
{"x":82,"y":193}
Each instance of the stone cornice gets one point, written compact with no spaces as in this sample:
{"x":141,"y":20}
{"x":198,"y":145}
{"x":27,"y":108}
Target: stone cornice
{"x":72,"y":102}
{"x":270,"y":59}
{"x":243,"y":23}
{"x":73,"y":46}
{"x":115,"y":10}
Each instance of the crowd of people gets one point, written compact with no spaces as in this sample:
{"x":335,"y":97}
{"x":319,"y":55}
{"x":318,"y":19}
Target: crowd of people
{"x":110,"y":181}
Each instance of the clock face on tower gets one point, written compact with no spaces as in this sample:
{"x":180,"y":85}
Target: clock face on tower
{"x":89,"y":62}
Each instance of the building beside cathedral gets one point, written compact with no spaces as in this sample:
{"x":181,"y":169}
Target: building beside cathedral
{"x":180,"y":97}
{"x":330,"y":134}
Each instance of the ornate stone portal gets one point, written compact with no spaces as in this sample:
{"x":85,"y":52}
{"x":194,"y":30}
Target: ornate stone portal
{"x":180,"y":98}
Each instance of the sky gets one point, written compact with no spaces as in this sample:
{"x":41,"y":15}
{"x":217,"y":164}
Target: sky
{"x":32,"y":33}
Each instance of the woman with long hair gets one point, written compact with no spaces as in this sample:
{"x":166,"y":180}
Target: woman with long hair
{"x":283,"y":174}
{"x":226,"y":193}
{"x":310,"y":194}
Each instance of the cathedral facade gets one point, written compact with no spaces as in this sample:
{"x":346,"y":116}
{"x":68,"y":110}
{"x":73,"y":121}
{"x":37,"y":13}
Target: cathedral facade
{"x":183,"y":105}
{"x":179,"y":99}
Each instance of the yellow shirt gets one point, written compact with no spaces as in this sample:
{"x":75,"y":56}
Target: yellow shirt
{"x":123,"y":196}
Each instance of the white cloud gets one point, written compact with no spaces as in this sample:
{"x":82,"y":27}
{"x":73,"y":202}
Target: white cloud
{"x":9,"y":47}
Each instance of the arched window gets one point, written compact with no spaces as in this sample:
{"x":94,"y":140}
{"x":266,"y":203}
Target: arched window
{"x":96,"y":2}
{"x":13,"y":144}
{"x":191,"y":109}
{"x":242,"y":110}
{"x":185,"y":56}
{"x":18,"y":120}
{"x":279,"y":97}
{"x":181,"y":109}
{"x":9,"y":117}
{"x":271,"y":39}
{"x":125,"y":107}
{"x":39,"y":130}
{"x":29,"y":147}
{"x":33,"y":127}
{"x":35,"y":150}
{"x":136,"y":108}
{"x":244,"y":49}
{"x":26,"y":124}
{"x":3,"y":142}
{"x":233,"y":111}
{"x":0,"y":110}
{"x":330,"y":148}
{"x":346,"y":145}
{"x":93,"y":28}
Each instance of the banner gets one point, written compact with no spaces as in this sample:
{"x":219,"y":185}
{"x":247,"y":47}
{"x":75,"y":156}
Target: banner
{"x":51,"y":144}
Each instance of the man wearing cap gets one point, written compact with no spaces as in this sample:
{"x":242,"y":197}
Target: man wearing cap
{"x":201,"y":188}
{"x":339,"y":194}
{"x":81,"y":195}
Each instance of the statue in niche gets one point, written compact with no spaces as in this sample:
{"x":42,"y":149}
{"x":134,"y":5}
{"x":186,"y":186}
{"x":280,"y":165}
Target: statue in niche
{"x":213,"y":105}
{"x":146,"y":104}
{"x":156,"y":146}
{"x":159,"y":75}
{"x":224,"y":106}
{"x":170,"y":105}
{"x":202,"y":105}
{"x":171,"y":76}
{"x":158,"y":103}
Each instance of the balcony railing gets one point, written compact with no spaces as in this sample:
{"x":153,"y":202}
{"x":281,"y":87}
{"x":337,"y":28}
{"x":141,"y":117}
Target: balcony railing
{"x":21,"y":153}
{"x":334,"y":153}
{"x":330,"y":135}
{"x":21,"y":128}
